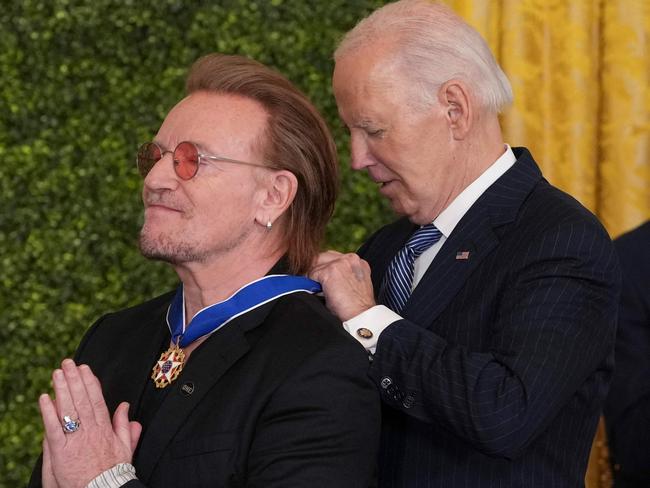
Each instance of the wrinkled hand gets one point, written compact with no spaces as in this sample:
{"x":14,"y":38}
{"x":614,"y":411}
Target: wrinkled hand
{"x":73,"y":460}
{"x":346,"y":283}
{"x":48,"y":480}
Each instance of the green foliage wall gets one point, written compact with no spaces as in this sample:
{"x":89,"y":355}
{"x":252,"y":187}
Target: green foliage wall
{"x":82,"y":83}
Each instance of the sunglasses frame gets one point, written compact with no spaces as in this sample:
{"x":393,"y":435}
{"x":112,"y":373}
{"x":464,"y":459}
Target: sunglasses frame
{"x":213,"y":157}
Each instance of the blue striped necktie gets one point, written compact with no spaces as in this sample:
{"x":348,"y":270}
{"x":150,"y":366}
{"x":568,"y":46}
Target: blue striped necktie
{"x":396,"y":288}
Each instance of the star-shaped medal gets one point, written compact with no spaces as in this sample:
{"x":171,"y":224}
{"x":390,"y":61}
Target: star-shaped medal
{"x":168,"y":367}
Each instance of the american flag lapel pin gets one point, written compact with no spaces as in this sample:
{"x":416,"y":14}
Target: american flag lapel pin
{"x":462,"y":255}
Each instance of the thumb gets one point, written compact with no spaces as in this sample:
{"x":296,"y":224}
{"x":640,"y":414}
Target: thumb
{"x":135,"y":429}
{"x":121,"y":426}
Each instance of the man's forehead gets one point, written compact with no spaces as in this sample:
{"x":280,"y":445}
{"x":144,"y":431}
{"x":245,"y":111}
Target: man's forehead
{"x":366,"y":72}
{"x":216,"y":105}
{"x":208,"y":118}
{"x":361,"y":89}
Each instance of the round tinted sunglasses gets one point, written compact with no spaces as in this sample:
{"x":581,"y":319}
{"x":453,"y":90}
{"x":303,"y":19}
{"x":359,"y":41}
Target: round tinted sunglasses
{"x":186,"y":158}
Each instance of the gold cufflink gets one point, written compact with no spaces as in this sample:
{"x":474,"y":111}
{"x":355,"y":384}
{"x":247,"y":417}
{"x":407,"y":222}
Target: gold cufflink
{"x":364,"y":333}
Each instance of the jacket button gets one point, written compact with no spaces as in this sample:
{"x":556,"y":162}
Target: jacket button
{"x":187,"y":389}
{"x":385,"y":382}
{"x":408,"y":401}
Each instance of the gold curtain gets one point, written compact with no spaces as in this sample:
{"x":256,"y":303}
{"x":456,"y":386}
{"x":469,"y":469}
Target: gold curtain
{"x":580,"y":71}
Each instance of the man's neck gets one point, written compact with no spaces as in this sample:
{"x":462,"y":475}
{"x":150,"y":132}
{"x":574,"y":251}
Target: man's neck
{"x":485,"y":148}
{"x":474,"y":157}
{"x":210,"y":282}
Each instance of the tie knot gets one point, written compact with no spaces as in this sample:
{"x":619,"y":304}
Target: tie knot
{"x":423,"y":238}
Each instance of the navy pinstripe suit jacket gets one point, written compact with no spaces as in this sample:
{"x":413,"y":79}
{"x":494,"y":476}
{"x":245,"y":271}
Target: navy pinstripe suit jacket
{"x":627,"y":409}
{"x":497,"y":374}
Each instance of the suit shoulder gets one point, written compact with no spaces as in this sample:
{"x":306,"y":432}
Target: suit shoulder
{"x":305,"y":318}
{"x":633,"y":250}
{"x":634,"y":240}
{"x":553,"y":228}
{"x":137,"y":313}
{"x":548,"y":208}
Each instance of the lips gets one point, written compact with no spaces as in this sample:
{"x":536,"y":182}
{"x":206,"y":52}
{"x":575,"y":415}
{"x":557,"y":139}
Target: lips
{"x":161,"y":207}
{"x":384,"y":185}
{"x":157,"y":201}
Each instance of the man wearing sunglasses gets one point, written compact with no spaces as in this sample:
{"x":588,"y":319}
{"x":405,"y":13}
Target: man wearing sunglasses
{"x":240,"y":377}
{"x":490,"y":307}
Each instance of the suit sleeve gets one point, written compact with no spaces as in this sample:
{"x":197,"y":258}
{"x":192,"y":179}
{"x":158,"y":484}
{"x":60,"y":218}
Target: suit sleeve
{"x":627,"y":411}
{"x":554,"y":323}
{"x":321,"y":426}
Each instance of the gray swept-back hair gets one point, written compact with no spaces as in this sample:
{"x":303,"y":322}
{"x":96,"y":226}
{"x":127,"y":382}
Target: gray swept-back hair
{"x":432,"y":46}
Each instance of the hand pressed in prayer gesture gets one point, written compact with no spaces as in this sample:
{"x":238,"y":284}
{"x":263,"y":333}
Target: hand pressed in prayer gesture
{"x":89,"y":442}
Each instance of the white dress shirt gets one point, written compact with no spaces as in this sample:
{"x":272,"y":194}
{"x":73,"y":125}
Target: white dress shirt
{"x":377,"y":318}
{"x":117,"y":476}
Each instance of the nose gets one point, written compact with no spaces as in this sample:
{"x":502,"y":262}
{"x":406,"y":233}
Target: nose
{"x":360,"y":156}
{"x":162,"y":175}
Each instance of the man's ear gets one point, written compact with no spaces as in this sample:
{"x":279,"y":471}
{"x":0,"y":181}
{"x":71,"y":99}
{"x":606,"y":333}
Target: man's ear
{"x":453,"y":96}
{"x":278,"y":189}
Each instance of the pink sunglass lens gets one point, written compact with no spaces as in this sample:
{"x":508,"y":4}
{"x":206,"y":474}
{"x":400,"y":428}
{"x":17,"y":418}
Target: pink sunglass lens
{"x":186,"y":160}
{"x":148,"y":155}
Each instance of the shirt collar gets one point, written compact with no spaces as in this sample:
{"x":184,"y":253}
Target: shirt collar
{"x":449,"y":217}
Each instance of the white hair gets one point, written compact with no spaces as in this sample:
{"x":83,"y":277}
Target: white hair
{"x":433,"y":45}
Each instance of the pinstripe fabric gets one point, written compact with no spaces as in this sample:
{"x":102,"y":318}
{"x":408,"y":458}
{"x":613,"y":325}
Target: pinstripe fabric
{"x":396,"y":287}
{"x":627,"y":409}
{"x":497,"y":374}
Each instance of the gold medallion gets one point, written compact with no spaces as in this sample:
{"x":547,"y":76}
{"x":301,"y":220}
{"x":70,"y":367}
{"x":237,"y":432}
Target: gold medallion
{"x":168,"y":367}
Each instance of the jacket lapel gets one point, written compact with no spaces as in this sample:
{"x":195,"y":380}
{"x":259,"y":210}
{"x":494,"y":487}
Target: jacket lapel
{"x":135,"y":359}
{"x":207,"y":364}
{"x":472,"y":240}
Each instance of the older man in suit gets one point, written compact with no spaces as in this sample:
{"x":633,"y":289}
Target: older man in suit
{"x":489,"y":309}
{"x":241,"y":377}
{"x":627,"y":409}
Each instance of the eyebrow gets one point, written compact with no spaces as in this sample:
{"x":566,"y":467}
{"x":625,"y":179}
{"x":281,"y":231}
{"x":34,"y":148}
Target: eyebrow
{"x":364,"y":124}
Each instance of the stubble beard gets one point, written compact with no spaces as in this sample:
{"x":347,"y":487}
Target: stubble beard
{"x":164,"y":248}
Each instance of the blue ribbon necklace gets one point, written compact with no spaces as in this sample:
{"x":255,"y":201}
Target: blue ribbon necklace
{"x":211,"y":318}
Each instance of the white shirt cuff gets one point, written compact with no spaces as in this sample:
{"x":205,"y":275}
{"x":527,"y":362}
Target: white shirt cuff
{"x":117,"y":476}
{"x":367,"y":326}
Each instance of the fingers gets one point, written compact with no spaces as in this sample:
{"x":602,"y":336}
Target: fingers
{"x":334,"y":263}
{"x":326,"y":257}
{"x":78,"y":396}
{"x":74,"y":384}
{"x":346,"y":282}
{"x":51,"y":420}
{"x":127,"y":431}
{"x":76,"y":457}
{"x":95,"y":395}
{"x":64,"y":402}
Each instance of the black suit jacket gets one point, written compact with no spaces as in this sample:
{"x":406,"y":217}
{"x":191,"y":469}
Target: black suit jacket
{"x":497,"y":373}
{"x":627,"y":411}
{"x":279,"y":397}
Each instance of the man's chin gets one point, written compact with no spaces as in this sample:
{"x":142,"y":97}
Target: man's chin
{"x":166,"y":251}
